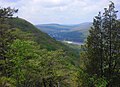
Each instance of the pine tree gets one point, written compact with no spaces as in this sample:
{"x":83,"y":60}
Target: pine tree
{"x":103,"y":47}
{"x":111,"y":42}
{"x":94,"y":43}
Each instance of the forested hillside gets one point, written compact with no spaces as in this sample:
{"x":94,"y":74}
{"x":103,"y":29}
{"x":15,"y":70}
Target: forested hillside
{"x":31,"y":58}
{"x":42,"y":38}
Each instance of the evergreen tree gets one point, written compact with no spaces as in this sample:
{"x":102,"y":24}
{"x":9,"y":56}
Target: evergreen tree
{"x":94,"y":47}
{"x":103,"y":47}
{"x":111,"y":44}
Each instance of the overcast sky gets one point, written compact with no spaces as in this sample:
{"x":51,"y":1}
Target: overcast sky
{"x":58,"y":11}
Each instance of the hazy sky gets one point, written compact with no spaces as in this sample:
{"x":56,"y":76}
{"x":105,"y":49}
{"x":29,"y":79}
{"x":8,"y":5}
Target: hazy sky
{"x":59,"y":11}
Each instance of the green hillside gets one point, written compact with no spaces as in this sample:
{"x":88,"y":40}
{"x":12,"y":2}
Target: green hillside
{"x":59,"y":55}
{"x":31,"y":58}
{"x":42,"y":38}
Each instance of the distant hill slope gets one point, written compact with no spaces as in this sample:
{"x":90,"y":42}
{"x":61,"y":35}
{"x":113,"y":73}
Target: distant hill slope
{"x":45,"y":41}
{"x":42,"y":38}
{"x":76,"y":33}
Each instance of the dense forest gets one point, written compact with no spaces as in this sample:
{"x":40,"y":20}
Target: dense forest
{"x":31,"y":58}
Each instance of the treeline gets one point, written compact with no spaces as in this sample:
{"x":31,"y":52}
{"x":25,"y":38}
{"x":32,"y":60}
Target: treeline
{"x":25,"y":63}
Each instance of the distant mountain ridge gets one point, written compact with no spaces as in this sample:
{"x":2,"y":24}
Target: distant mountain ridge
{"x":75,"y":33}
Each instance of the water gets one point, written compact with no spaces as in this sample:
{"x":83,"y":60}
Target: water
{"x":71,"y":42}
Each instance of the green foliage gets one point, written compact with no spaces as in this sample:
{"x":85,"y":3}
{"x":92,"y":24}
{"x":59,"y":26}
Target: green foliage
{"x":6,"y":38}
{"x":27,"y":60}
{"x":41,"y":38}
{"x":85,"y":80}
{"x":24,"y":62}
{"x":30,"y":58}
{"x":100,"y":54}
{"x":19,"y":52}
{"x":45,"y":41}
{"x":9,"y":82}
{"x":101,"y":82}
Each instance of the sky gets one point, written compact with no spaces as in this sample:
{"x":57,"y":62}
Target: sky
{"x":58,"y":11}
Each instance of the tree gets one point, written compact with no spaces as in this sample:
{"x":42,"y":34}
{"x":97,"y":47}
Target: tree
{"x":6,"y":13}
{"x":94,"y":47}
{"x":18,"y":55}
{"x":5,"y":39}
{"x":102,"y":47}
{"x":50,"y":69}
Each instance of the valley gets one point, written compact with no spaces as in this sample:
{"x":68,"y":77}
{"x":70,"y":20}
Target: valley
{"x":76,"y":34}
{"x":50,"y":48}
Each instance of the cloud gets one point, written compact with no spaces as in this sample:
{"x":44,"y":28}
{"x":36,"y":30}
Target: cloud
{"x":58,"y":11}
{"x":53,"y":3}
